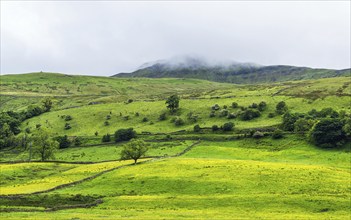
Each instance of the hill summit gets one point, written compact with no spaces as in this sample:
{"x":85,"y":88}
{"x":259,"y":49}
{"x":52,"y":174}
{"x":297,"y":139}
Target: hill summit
{"x":228,"y":71}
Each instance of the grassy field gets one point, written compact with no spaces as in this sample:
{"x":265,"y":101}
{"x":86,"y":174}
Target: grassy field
{"x":206,"y":175}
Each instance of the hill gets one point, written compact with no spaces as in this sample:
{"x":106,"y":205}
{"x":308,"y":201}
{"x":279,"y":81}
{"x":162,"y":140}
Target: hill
{"x":230,"y":72}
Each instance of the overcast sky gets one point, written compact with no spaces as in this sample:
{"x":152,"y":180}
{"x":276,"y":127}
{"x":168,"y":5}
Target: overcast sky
{"x":104,"y":38}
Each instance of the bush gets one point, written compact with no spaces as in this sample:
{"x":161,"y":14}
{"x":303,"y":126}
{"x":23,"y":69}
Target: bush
{"x":228,"y":126}
{"x":124,"y":134}
{"x":249,"y":114}
{"x":63,"y":141}
{"x":162,"y":117}
{"x":225,"y":106}
{"x":277,"y":134}
{"x":77,"y":141}
{"x":126,"y":118}
{"x":212,"y":114}
{"x":67,"y":126}
{"x":328,"y":133}
{"x":271,"y":115}
{"x":106,"y":123}
{"x":108,"y":117}
{"x":145,"y":119}
{"x":258,"y":135}
{"x":192,"y":118}
{"x":281,"y":108}
{"x":235,"y":105}
{"x":253,"y":105}
{"x":223,"y":113}
{"x":215,"y":107}
{"x":106,"y":138}
{"x":137,"y":114}
{"x":197,"y":128}
{"x":262,"y":106}
{"x":215,"y":128}
{"x":178,"y":121}
{"x":231,"y":116}
{"x":68,"y":118}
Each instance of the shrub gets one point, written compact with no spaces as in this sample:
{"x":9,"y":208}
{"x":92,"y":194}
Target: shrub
{"x":215,"y":107}
{"x":277,"y":134}
{"x":108,"y":117}
{"x":225,"y":106}
{"x":228,"y":126}
{"x":215,"y":128}
{"x":249,"y":114}
{"x":137,"y":114}
{"x":197,"y":128}
{"x":192,"y":118}
{"x":231,"y":116}
{"x":126,"y":118}
{"x":106,"y":123}
{"x":162,"y":117}
{"x":253,"y":105}
{"x":178,"y":121}
{"x":262,"y":106}
{"x":271,"y":115}
{"x":124,"y":134}
{"x":258,"y":135}
{"x":77,"y":141}
{"x":67,"y":126}
{"x":235,"y":105}
{"x":63,"y":141}
{"x":281,"y":108}
{"x":106,"y":138}
{"x":212,"y":114}
{"x":68,"y":118}
{"x":145,"y":119}
{"x":223,"y":113}
{"x":328,"y":133}
{"x":96,"y":133}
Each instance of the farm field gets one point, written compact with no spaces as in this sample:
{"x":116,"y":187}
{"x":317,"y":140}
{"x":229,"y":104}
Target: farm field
{"x":185,"y":174}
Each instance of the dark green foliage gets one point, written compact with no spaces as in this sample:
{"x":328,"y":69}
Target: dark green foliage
{"x":37,"y":126}
{"x":277,"y":134}
{"x":253,"y":105}
{"x":7,"y":137}
{"x":249,"y":114}
{"x":215,"y":107}
{"x":108,"y":117}
{"x":271,"y":115}
{"x":96,"y":133}
{"x":77,"y":142}
{"x":212,"y":114}
{"x":258,"y":135}
{"x":13,"y":120}
{"x":197,"y":128}
{"x":33,"y":110}
{"x":124,"y":134}
{"x":235,"y":105}
{"x":67,"y":126}
{"x":328,"y":133}
{"x":325,"y":112}
{"x":63,"y":141}
{"x":302,"y":125}
{"x":192,"y":117}
{"x":134,"y":150}
{"x":223,"y":113}
{"x":225,"y":107}
{"x":178,"y":121}
{"x":215,"y":128}
{"x":106,"y":138}
{"x":231,"y":116}
{"x":162,"y":117}
{"x":173,"y":103}
{"x":281,"y":108}
{"x":262,"y":106}
{"x":47,"y":104}
{"x":228,"y":126}
{"x":126,"y":118}
{"x":68,"y":118}
{"x":106,"y":123}
{"x":347,"y":127}
{"x":289,"y":120}
{"x":137,"y":114}
{"x":145,"y":119}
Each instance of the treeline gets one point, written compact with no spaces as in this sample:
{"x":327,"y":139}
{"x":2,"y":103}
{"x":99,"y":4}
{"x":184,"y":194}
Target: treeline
{"x":10,"y":121}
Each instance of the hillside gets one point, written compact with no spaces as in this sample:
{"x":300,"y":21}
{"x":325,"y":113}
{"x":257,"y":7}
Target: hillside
{"x":185,"y":173}
{"x":239,"y":73}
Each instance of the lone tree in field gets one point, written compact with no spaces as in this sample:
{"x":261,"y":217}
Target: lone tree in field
{"x":173,"y":103}
{"x":43,"y":145}
{"x":47,"y":104}
{"x":328,"y":133}
{"x":134,"y":150}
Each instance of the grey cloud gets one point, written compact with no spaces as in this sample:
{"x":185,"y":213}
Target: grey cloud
{"x":104,"y":38}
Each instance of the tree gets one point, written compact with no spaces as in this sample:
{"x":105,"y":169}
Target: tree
{"x":6,"y":136}
{"x":43,"y":145}
{"x":289,"y":120}
{"x":262,"y":106}
{"x":302,"y":125}
{"x":162,"y":116}
{"x":328,"y":133}
{"x":235,"y":105}
{"x":178,"y":121}
{"x":277,"y":134}
{"x":63,"y":141}
{"x":281,"y":108}
{"x":173,"y":103}
{"x":134,"y":150}
{"x":106,"y":138}
{"x":197,"y":128}
{"x":228,"y":126}
{"x":215,"y":128}
{"x":249,"y":114}
{"x":124,"y":134}
{"x":47,"y":104}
